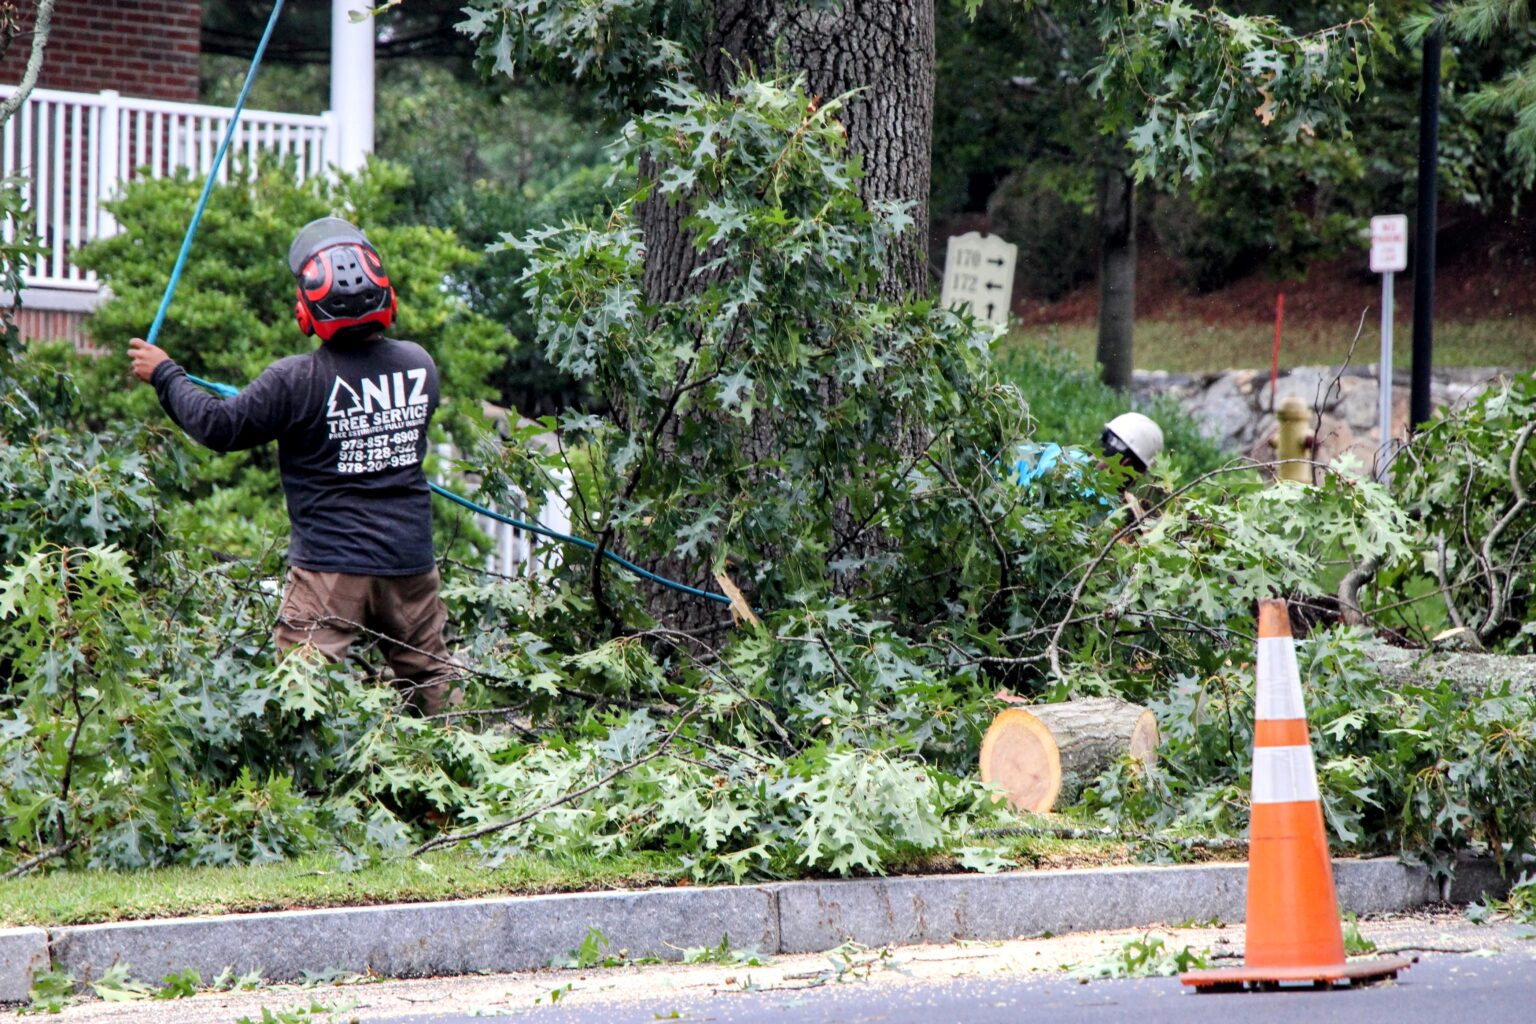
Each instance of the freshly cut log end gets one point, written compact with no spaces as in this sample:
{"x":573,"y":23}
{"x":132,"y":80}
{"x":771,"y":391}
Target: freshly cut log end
{"x":1019,"y":754}
{"x":1051,"y":751}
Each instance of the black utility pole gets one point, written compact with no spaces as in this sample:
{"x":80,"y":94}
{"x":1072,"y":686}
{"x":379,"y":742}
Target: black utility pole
{"x":1424,"y":233}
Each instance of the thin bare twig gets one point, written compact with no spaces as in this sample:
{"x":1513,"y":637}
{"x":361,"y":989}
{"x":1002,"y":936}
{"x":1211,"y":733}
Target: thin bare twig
{"x":1446,"y":591}
{"x":1497,"y":591}
{"x":1318,"y":397}
{"x":1005,"y":574}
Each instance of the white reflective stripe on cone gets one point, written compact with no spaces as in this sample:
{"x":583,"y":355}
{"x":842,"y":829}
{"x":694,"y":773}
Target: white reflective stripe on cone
{"x":1279,"y":683}
{"x":1283,"y":775}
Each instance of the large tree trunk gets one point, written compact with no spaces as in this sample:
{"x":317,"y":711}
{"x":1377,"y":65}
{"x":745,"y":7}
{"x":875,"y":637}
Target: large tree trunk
{"x":886,"y":50}
{"x":1117,"y":276}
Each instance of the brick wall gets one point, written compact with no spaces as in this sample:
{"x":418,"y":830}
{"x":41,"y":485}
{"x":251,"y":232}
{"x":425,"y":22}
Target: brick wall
{"x":138,"y":47}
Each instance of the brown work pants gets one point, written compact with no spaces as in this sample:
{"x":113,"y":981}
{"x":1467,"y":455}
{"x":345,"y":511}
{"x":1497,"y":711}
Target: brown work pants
{"x":332,"y":609}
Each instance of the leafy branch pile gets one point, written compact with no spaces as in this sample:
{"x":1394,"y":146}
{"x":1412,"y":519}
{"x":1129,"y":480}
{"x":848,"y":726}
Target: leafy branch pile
{"x":1423,"y":772}
{"x":1470,"y":480}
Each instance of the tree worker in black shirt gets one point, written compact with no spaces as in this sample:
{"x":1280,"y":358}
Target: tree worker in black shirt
{"x":350,"y":421}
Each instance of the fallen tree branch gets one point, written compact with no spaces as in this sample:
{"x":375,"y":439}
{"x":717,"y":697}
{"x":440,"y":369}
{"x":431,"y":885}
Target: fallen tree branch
{"x":438,"y":842}
{"x":1053,"y":649}
{"x":1498,"y":593}
{"x":1349,"y":590}
{"x":40,"y":859}
{"x":1457,"y":619}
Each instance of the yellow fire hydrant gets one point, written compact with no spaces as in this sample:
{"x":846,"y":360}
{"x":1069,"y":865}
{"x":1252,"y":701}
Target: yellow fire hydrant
{"x":1295,"y":440}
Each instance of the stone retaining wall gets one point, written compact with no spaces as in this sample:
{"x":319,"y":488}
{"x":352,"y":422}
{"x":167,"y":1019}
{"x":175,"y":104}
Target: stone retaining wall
{"x":1236,"y":407}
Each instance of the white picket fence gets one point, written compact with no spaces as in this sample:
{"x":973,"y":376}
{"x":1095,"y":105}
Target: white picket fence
{"x":78,"y":149}
{"x":516,"y":552}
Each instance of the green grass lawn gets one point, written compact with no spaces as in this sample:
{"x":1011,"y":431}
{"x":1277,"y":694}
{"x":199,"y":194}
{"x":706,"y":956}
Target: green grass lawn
{"x":88,"y":897}
{"x":1194,"y":347}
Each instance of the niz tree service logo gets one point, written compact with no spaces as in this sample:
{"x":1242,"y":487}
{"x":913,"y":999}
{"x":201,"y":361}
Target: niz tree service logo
{"x":379,"y":422}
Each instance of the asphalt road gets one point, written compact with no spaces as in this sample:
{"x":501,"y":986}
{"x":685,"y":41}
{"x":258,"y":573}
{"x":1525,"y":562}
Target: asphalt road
{"x":1438,"y":989}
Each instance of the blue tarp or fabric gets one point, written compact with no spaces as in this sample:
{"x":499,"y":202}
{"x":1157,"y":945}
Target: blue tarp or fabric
{"x":1033,"y":461}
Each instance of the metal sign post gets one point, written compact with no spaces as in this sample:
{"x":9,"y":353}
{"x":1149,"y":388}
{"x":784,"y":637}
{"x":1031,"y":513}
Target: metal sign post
{"x":1389,"y":254}
{"x":978,"y":273}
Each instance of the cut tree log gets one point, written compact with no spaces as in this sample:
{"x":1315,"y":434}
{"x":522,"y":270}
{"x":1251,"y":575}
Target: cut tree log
{"x":1469,"y":671}
{"x":1049,"y":752}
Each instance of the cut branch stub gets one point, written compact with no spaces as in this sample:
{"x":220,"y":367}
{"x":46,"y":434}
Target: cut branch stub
{"x":1051,"y":751}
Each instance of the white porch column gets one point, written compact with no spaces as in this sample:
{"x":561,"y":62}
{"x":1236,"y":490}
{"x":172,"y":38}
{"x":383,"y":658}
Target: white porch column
{"x":351,"y":84}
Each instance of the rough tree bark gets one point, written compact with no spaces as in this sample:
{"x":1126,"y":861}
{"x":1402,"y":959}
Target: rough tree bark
{"x":1472,"y":672}
{"x":1117,"y":276}
{"x":885,"y":49}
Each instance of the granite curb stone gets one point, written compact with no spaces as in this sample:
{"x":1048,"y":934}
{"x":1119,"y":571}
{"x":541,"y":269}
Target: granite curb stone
{"x":815,"y":916}
{"x":425,"y":939}
{"x":23,"y":951}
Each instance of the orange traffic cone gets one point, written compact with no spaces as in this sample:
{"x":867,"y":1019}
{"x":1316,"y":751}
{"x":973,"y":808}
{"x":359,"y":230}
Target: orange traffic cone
{"x":1293,"y":930}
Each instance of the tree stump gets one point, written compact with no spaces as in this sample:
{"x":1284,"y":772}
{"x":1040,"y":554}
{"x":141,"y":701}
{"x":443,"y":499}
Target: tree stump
{"x":1049,"y":752}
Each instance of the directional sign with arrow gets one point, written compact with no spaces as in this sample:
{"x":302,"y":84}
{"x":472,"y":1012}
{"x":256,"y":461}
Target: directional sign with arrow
{"x":978,"y":274}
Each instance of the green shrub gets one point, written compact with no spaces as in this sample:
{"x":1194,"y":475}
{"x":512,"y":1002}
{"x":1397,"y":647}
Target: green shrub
{"x":1049,"y":216}
{"x":1279,"y":209}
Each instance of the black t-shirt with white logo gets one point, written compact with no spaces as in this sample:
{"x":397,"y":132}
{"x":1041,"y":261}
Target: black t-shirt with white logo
{"x":350,"y":422}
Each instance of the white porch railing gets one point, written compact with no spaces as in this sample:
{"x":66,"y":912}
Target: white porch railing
{"x":517,"y":552}
{"x":78,"y":149}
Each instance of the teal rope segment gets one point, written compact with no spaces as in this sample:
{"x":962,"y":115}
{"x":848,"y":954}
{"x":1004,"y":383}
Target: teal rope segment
{"x":545,"y":531}
{"x":197,"y":214}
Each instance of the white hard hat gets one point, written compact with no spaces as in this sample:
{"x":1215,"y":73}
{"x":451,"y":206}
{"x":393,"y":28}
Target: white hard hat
{"x":1139,"y":435}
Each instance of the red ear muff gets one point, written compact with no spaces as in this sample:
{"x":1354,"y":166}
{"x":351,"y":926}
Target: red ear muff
{"x":301,"y":314}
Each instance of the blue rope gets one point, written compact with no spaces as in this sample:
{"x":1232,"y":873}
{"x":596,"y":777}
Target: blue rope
{"x":579,"y":542}
{"x":223,"y":390}
{"x":229,"y":391}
